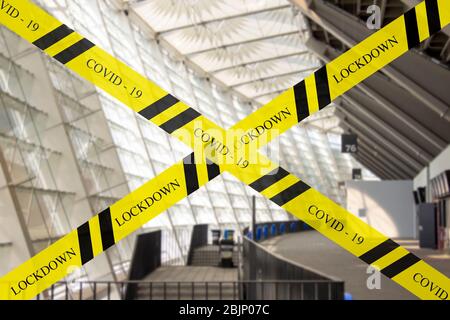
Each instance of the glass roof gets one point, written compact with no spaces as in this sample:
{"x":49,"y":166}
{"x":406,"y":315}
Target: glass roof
{"x":255,"y":47}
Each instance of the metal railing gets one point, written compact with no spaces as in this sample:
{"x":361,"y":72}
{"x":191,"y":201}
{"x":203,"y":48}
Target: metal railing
{"x":261,"y":264}
{"x":183,"y":290}
{"x":263,"y":275}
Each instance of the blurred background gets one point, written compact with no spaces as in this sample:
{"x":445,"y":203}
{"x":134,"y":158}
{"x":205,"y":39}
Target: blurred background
{"x":68,"y":150}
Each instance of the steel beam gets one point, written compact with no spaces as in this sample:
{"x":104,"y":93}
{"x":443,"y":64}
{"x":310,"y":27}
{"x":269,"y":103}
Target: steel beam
{"x":380,"y":172}
{"x":268,"y":93}
{"x":278,"y":35}
{"x":234,"y":16}
{"x":387,"y":163}
{"x":405,"y":163}
{"x":427,"y":81}
{"x":380,"y":157}
{"x":388,"y":131}
{"x":395,"y":103}
{"x":369,"y":164}
{"x":272,"y":77}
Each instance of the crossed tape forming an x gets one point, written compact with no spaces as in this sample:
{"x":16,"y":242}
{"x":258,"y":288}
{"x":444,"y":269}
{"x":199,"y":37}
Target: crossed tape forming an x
{"x":217,"y":150}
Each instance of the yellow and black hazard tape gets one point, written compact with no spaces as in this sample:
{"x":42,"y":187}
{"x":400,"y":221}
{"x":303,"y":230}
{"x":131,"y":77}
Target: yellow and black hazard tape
{"x":290,"y":195}
{"x":106,"y":228}
{"x":350,"y":68}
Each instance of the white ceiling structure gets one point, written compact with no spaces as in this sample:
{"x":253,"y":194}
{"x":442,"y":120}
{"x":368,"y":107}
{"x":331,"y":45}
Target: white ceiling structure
{"x":254,"y":47}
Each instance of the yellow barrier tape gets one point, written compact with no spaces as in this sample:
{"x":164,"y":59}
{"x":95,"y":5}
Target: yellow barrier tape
{"x":358,"y":238}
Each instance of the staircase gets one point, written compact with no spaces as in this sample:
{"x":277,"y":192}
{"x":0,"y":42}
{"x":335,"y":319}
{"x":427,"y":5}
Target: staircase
{"x":209,"y":256}
{"x":187,"y":291}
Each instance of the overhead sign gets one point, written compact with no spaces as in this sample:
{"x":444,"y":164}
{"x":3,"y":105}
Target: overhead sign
{"x":349,"y":143}
{"x":356,"y":174}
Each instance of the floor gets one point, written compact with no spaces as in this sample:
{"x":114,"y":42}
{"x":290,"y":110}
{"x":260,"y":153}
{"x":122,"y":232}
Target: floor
{"x":314,"y":250}
{"x":192,"y":273}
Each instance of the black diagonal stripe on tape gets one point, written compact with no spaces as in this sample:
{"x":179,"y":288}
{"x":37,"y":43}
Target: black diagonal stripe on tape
{"x":190,"y":173}
{"x":434,"y":23}
{"x":213,"y":169}
{"x":74,"y":51}
{"x":400,"y":265}
{"x":412,"y":30}
{"x":84,"y":240}
{"x":269,"y":179}
{"x":53,"y":37}
{"x":323,"y":90}
{"x":290,"y":193}
{"x":180,"y":120}
{"x":301,"y":101}
{"x":106,"y":228}
{"x":379,"y":251}
{"x":159,"y":106}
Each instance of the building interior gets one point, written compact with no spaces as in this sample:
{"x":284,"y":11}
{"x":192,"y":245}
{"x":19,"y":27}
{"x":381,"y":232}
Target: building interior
{"x":68,"y":150}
